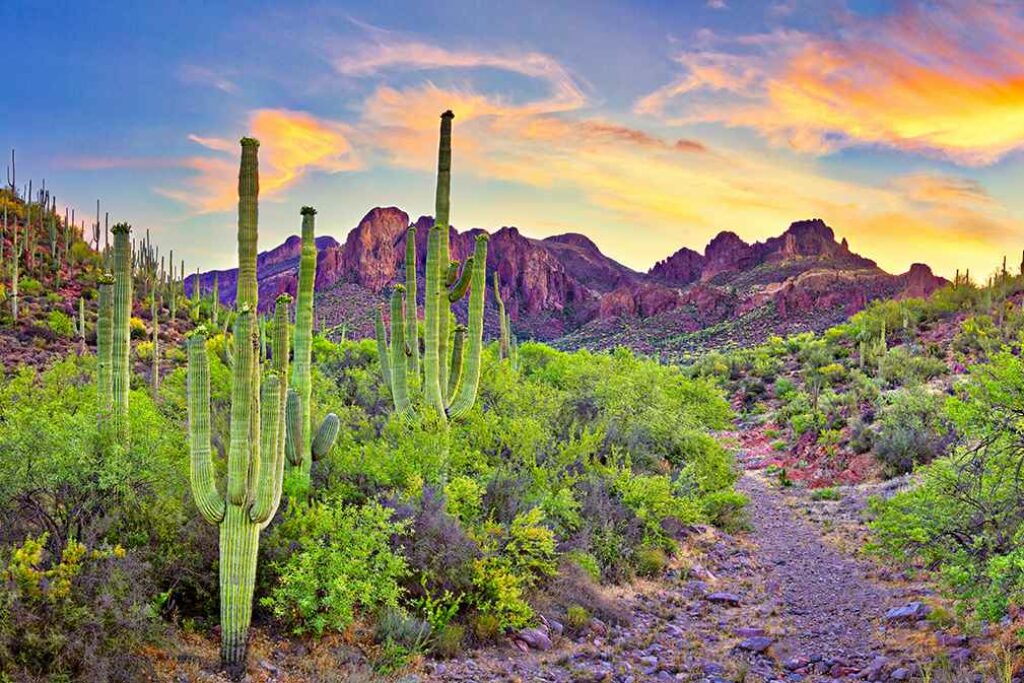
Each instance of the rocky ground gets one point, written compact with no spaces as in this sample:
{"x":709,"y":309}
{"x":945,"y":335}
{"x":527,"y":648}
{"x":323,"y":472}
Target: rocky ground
{"x":791,"y":600}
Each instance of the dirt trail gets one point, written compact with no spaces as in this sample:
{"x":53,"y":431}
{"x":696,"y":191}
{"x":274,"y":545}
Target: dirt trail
{"x":833,"y":609}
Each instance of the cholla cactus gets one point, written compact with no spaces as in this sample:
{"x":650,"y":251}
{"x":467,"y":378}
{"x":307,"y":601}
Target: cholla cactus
{"x":255,"y":465}
{"x":449,"y":384}
{"x":302,"y":447}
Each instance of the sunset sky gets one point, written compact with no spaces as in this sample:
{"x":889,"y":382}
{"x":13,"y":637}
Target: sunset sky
{"x":647,"y":126}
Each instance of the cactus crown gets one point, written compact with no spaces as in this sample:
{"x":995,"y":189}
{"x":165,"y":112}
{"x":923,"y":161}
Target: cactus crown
{"x":105,"y":279}
{"x":120,"y":228}
{"x":249,"y":142}
{"x":198,"y":331}
{"x":284,"y":299}
{"x":448,"y":114}
{"x":308,"y":211}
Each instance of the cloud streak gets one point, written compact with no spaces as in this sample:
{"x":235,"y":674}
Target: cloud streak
{"x":938,"y":78}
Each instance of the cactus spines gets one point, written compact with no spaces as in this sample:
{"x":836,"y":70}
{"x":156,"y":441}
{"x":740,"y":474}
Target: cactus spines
{"x":325,"y":436}
{"x":15,"y":249}
{"x":301,"y":378}
{"x":248,"y":218}
{"x":293,"y":425}
{"x":504,"y":344}
{"x":442,"y":205}
{"x":412,"y":339}
{"x":155,"y":315}
{"x":382,"y":347}
{"x":399,"y":363}
{"x":121,"y":343}
{"x":104,"y":342}
{"x":464,"y":399}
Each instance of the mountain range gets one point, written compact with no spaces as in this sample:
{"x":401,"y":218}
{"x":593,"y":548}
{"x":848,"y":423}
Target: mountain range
{"x":564,"y":290}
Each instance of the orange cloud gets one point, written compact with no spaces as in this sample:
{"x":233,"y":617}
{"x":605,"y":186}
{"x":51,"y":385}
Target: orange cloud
{"x":292,"y":143}
{"x":681,"y":191}
{"x":941,"y":78}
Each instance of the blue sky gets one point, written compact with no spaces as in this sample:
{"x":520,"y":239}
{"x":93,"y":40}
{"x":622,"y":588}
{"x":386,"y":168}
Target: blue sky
{"x":646,"y":125}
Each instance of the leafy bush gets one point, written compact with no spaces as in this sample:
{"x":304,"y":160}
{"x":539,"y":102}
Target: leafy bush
{"x":964,"y":516}
{"x":342,"y":564}
{"x":60,"y":324}
{"x":83,"y":617}
{"x":911,"y":430}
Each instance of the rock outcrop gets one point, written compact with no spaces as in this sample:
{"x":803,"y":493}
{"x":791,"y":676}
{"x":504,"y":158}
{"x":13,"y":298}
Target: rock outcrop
{"x":557,"y":285}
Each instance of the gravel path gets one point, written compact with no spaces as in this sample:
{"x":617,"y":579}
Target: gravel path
{"x":832,"y":607}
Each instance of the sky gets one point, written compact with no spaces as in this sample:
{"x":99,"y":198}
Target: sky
{"x":647,"y":126}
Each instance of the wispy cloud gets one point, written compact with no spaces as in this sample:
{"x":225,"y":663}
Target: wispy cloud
{"x":388,"y":51}
{"x":192,"y":74}
{"x":938,"y":78}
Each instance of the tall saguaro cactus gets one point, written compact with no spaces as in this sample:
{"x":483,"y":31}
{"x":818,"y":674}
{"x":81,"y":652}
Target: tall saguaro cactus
{"x":255,"y":467}
{"x":120,"y":338}
{"x":449,"y":384}
{"x":300,"y":440}
{"x":104,"y":344}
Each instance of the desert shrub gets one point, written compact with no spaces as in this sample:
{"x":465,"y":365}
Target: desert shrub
{"x":651,"y":562}
{"x":28,"y":286}
{"x":342,"y":564}
{"x":137,"y":328}
{"x":964,"y":517}
{"x":900,"y":367}
{"x":911,"y":430}
{"x":437,"y":549}
{"x":862,"y":436}
{"x":144,"y":351}
{"x":83,"y":617}
{"x":60,"y":324}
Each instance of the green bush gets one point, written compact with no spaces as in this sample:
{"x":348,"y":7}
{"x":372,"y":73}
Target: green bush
{"x":60,"y":324}
{"x":963,"y":518}
{"x":342,"y":565}
{"x":911,"y":430}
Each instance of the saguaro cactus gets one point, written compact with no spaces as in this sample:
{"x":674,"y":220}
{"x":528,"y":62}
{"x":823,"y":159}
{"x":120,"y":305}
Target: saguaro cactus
{"x":104,"y":343}
{"x":155,"y":316}
{"x":256,"y":452}
{"x":255,"y":465}
{"x":300,"y":447}
{"x":504,"y":343}
{"x":449,"y":385}
{"x":121,"y":341}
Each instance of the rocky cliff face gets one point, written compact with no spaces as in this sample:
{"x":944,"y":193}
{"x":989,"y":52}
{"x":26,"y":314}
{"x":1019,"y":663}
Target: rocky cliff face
{"x":560,"y":284}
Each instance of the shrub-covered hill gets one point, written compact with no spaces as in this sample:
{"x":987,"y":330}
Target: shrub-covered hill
{"x":931,"y":389}
{"x":577,"y":470}
{"x":49,"y":289}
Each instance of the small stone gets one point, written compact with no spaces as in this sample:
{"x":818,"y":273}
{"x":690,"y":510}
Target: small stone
{"x":758,"y":644}
{"x":795,"y":663}
{"x":723,"y":598}
{"x":900,"y":674}
{"x":950,"y":640}
{"x":913,"y":611}
{"x":750,"y":632}
{"x":959,"y":656}
{"x":535,"y":638}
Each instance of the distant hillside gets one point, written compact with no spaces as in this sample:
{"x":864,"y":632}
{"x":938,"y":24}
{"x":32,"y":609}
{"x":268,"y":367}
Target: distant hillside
{"x":564,"y":290}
